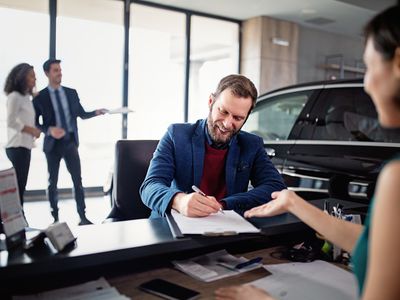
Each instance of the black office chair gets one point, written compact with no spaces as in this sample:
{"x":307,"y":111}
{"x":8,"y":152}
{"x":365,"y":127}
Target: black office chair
{"x":132,"y":158}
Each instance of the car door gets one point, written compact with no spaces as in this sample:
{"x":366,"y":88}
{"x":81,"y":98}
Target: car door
{"x":345,"y":142}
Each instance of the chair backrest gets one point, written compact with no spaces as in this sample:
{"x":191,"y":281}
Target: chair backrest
{"x":132,"y":159}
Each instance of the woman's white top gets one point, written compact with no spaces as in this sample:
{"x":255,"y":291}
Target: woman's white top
{"x":20,"y":112}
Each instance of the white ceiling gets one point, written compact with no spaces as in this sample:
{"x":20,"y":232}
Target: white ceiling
{"x":344,"y":16}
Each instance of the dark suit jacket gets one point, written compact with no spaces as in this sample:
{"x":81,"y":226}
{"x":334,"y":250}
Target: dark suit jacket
{"x":44,"y":108}
{"x":178,"y":162}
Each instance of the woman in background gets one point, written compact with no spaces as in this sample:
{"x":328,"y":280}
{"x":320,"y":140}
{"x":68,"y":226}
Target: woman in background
{"x":374,"y":246}
{"x":20,"y":121}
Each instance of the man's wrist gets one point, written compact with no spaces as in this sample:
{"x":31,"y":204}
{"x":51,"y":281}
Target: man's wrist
{"x":176,"y":201}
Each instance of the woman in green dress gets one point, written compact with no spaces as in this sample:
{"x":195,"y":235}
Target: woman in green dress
{"x":374,"y":246}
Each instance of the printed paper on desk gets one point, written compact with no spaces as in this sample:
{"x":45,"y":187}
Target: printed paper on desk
{"x":10,"y":205}
{"x":213,"y":266}
{"x":314,"y":280}
{"x":215,"y":224}
{"x":98,"y":289}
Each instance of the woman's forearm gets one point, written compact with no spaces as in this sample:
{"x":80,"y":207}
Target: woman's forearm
{"x":342,"y":233}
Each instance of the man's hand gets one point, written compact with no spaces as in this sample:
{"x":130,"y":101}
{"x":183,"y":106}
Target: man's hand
{"x":101,"y":111}
{"x":56,"y":132}
{"x":195,"y":205}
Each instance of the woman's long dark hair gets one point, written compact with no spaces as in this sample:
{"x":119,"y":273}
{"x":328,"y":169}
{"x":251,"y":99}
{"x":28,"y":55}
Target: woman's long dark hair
{"x":16,"y":80}
{"x":384,"y":30}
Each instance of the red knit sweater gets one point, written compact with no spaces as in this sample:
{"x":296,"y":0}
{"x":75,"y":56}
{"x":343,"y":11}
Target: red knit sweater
{"x":213,"y":180}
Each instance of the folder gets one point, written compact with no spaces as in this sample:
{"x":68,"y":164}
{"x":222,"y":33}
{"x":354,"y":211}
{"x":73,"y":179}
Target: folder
{"x":218,"y":224}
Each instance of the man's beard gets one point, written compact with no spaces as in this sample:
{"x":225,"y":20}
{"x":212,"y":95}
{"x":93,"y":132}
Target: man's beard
{"x":217,"y":137}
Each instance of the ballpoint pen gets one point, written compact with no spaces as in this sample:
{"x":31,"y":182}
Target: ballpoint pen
{"x":249,"y":262}
{"x":197,"y":190}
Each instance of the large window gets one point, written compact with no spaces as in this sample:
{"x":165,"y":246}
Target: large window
{"x":24,"y":32}
{"x":156,"y":71}
{"x":214,"y":53}
{"x":90,"y":41}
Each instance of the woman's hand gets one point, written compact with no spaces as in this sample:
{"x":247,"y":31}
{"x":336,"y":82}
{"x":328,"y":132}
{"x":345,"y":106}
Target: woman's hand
{"x":36,"y":132}
{"x":32,"y":131}
{"x":241,"y":292}
{"x":281,"y":203}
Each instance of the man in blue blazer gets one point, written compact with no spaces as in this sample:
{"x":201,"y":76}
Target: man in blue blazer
{"x":214,"y":155}
{"x":59,"y":107}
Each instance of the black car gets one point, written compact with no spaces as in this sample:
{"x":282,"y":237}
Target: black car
{"x":324,"y":137}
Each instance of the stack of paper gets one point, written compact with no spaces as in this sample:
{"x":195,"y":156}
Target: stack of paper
{"x":215,"y":265}
{"x":312,"y":281}
{"x":93,"y":290}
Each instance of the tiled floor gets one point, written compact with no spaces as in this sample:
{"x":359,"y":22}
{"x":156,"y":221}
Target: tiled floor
{"x":38,"y":212}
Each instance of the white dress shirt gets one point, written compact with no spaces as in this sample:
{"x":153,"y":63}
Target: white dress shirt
{"x":20,"y":113}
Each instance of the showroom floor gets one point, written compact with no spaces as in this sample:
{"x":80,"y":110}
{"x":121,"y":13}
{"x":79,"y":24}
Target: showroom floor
{"x":38,"y":212}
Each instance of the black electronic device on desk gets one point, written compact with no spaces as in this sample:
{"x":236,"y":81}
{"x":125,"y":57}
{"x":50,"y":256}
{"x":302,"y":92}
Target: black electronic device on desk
{"x":168,"y":290}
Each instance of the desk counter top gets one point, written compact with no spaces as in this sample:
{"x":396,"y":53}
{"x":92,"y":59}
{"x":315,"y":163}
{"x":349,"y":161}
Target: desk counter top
{"x":134,"y":243}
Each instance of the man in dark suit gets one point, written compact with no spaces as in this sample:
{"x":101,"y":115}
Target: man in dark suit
{"x":59,"y":108}
{"x":215,"y":155}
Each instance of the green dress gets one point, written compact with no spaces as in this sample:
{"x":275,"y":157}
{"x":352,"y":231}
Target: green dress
{"x":359,"y":257}
{"x":360,"y":253}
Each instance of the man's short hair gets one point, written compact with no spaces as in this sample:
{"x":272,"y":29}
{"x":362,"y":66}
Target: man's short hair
{"x":239,"y":85}
{"x":47,"y":64}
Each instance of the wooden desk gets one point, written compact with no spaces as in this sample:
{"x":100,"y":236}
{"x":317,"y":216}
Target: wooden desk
{"x":128,"y":284}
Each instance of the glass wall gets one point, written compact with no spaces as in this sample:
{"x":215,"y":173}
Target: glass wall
{"x":156,"y":71}
{"x":24,"y":31}
{"x":212,"y":56}
{"x":90,"y":41}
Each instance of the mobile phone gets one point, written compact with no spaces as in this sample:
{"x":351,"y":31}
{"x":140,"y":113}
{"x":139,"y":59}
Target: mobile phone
{"x":168,"y":290}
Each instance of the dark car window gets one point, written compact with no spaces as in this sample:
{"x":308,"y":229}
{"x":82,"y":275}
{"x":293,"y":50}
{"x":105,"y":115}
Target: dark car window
{"x":273,"y":119}
{"x":348,"y":114}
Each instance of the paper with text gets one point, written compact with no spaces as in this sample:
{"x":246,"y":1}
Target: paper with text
{"x":97,"y":289}
{"x":314,"y":280}
{"x":213,"y":266}
{"x":10,"y":205}
{"x":229,"y":222}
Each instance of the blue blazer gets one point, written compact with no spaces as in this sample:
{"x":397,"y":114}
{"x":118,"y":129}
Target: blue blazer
{"x":178,"y":161}
{"x":44,"y":107}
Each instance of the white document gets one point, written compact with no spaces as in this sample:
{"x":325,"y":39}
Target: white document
{"x":226,"y":223}
{"x":314,"y":280}
{"x":97,"y":289}
{"x":10,"y":205}
{"x":121,"y":110}
{"x":213,"y":266}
